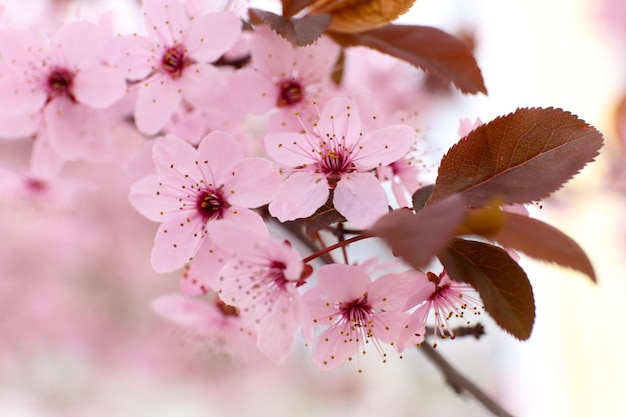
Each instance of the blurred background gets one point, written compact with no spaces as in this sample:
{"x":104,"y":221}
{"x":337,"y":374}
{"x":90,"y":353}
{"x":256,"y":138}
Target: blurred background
{"x":78,"y":337}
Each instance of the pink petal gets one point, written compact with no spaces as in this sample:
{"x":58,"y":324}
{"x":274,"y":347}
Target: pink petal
{"x":17,"y":95}
{"x":253,"y":92}
{"x":237,"y":239}
{"x":76,"y":131}
{"x":388,"y":326}
{"x":271,"y":54}
{"x":158,"y":98}
{"x":98,"y":87}
{"x":138,"y":56}
{"x":343,"y":282}
{"x":361,"y":199}
{"x":212,"y":35}
{"x":201,"y":275}
{"x":332,"y":349}
{"x":276,"y":331}
{"x":253,"y":182}
{"x":383,"y":146}
{"x":291,"y":149}
{"x":391,"y":292}
{"x":340,"y":119}
{"x":299,"y":196}
{"x":153,"y":200}
{"x":219,"y":152}
{"x":316,"y":62}
{"x":166,"y":21}
{"x":78,"y":44}
{"x":176,"y":243}
{"x":200,"y":83}
{"x":244,"y":218}
{"x":174,"y":158}
{"x":182,"y":310}
{"x":20,"y":126}
{"x":415,"y":329}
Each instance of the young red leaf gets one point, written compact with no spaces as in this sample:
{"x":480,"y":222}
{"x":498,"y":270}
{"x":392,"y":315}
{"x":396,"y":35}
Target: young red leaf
{"x":292,"y":7}
{"x":298,"y":31}
{"x":417,"y":238}
{"x":542,"y":241}
{"x":426,"y":47}
{"x":502,"y":284}
{"x":521,"y":157}
{"x":361,"y":15}
{"x":323,"y":216}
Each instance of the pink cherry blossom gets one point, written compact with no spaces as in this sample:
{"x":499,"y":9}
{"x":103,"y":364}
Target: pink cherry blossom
{"x":357,"y":312}
{"x":217,"y":326}
{"x":404,"y":177}
{"x":337,"y":155}
{"x":262,"y":281}
{"x":285,"y":78}
{"x":193,"y":187}
{"x":446,"y":299}
{"x":172,"y":61}
{"x":62,"y":88}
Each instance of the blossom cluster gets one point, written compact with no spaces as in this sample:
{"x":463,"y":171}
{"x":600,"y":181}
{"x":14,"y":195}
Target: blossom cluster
{"x":240,"y":130}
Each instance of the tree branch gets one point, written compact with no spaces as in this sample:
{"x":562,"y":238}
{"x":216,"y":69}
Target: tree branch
{"x":459,"y":383}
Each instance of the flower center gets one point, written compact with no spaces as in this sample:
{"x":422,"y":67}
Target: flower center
{"x":356,"y":312}
{"x":173,"y":61}
{"x":290,"y":93}
{"x":276,"y":272}
{"x":333,"y":164}
{"x":211,"y":205}
{"x":59,"y":83}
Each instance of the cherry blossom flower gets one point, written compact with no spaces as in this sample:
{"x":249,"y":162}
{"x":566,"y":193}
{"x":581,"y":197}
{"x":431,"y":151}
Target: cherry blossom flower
{"x":194,"y":187}
{"x":63,"y":87}
{"x":216,"y":325}
{"x":357,"y":312}
{"x":404,"y":177}
{"x":286,"y":78}
{"x":172,"y":61}
{"x":337,"y":155}
{"x":446,"y":299}
{"x":262,"y":281}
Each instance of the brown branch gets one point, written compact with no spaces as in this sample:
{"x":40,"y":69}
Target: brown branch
{"x":459,"y":383}
{"x":477,"y":331}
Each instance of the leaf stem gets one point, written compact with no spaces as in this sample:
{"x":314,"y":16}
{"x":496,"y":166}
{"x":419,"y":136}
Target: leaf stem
{"x":461,"y":384}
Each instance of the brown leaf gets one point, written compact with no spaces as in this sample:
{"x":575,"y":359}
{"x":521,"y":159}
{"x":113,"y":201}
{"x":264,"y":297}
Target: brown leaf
{"x":292,"y":7}
{"x":298,"y":31}
{"x":502,"y":284}
{"x":417,"y":238}
{"x":521,"y":157}
{"x":542,"y":241}
{"x":428,"y":48}
{"x":323,"y":217}
{"x":361,"y":15}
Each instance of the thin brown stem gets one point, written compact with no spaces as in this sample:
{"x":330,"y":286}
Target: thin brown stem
{"x":459,"y":383}
{"x":336,"y":246}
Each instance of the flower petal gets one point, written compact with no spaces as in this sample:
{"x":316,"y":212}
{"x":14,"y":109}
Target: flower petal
{"x":253,"y":182}
{"x":299,"y":196}
{"x":98,"y":87}
{"x":361,"y":199}
{"x":343,"y":282}
{"x":383,"y":146}
{"x":176,"y":243}
{"x":157,"y":100}
{"x":212,"y":35}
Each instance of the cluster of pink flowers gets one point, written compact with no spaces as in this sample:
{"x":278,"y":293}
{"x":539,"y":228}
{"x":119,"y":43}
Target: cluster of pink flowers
{"x":240,"y":130}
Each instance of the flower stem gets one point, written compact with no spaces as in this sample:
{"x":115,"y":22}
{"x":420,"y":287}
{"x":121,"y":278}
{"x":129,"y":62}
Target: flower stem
{"x":337,"y":245}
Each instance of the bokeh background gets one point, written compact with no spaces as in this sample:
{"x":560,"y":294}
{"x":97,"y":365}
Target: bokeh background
{"x":78,"y":337}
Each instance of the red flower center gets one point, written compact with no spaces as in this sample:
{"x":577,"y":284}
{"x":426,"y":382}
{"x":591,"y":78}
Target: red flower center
{"x":211,"y":205}
{"x":59,"y":83}
{"x":173,"y":61}
{"x":290,"y":93}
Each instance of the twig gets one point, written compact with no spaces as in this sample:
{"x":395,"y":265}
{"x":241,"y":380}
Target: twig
{"x":477,"y":331}
{"x":459,"y":383}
